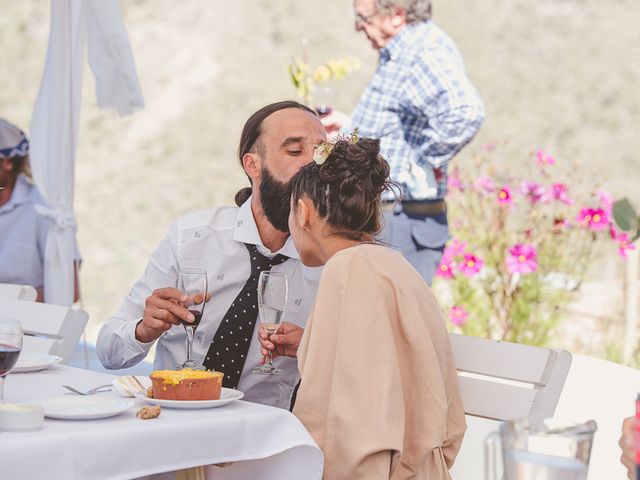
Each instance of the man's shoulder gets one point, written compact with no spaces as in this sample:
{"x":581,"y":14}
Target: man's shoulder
{"x":218,"y":218}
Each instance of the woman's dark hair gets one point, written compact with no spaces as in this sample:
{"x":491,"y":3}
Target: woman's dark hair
{"x":251,"y":133}
{"x":346,"y":189}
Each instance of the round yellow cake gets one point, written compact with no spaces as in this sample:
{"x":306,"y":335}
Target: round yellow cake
{"x":186,"y":384}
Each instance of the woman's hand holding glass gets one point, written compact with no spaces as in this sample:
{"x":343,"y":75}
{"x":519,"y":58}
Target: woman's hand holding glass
{"x":282,"y":344}
{"x":273,"y":288}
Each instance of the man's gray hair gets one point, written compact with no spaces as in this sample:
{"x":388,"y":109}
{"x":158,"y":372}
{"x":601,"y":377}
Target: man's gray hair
{"x":417,"y":10}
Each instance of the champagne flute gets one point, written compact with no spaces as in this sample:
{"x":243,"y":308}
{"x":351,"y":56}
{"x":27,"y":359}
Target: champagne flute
{"x":193,"y":283}
{"x":272,"y":300}
{"x":10,"y":347}
{"x":323,"y":101}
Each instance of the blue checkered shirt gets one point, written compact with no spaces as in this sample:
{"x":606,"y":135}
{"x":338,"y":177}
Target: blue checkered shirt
{"x":421,"y":106}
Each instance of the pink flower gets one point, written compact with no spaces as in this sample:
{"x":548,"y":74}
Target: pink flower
{"x":623,"y":240}
{"x":624,"y":244}
{"x":470,"y":265}
{"x":606,"y":200}
{"x":595,"y":218}
{"x":533,"y":191}
{"x":454,"y":182}
{"x":559,"y":223}
{"x":454,"y":248}
{"x":484,"y":184}
{"x":504,"y":196}
{"x":491,"y":146}
{"x":543,"y":159}
{"x":560,"y":192}
{"x":458,"y":315}
{"x":522,"y":259}
{"x":445,"y":269}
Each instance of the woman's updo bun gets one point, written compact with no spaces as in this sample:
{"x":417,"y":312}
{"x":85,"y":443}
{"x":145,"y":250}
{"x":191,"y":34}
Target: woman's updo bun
{"x":347,"y":187}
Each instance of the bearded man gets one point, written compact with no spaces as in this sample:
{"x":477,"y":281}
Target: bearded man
{"x":232,"y":244}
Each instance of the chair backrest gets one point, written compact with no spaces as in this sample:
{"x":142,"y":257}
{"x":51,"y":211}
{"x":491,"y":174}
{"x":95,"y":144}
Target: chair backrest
{"x":506,"y":381}
{"x":53,"y":329}
{"x":9,"y":291}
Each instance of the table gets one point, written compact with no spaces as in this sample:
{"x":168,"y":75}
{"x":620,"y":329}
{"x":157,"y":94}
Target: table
{"x":264,"y":442}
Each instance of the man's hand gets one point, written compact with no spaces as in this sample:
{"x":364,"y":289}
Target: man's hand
{"x":627,"y":444}
{"x":333,"y":122}
{"x":163,"y":309}
{"x":284,"y":343}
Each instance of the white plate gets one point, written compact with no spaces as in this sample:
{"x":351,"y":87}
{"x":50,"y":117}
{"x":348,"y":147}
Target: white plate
{"x":76,"y":407}
{"x":227,"y":395}
{"x":34,"y":362}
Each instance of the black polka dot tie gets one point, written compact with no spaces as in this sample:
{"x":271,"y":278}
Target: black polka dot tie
{"x":228,"y":350}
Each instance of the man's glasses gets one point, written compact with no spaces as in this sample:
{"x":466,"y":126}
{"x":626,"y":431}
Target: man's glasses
{"x":365,"y":18}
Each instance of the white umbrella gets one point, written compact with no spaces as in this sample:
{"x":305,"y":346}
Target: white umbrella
{"x":54,"y":124}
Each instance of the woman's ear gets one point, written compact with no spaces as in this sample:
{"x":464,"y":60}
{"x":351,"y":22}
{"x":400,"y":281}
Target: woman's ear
{"x":252,"y":164}
{"x":302,"y":213}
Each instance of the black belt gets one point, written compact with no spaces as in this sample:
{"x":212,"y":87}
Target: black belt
{"x":419,"y":207}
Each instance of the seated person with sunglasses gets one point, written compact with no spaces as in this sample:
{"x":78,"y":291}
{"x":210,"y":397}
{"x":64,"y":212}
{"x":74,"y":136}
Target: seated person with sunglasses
{"x":233,"y":245}
{"x":378,"y":388}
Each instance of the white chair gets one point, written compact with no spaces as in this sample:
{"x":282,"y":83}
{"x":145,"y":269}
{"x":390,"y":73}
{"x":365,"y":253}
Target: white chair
{"x":9,"y":291}
{"x":502,"y":381}
{"x":52,"y":329}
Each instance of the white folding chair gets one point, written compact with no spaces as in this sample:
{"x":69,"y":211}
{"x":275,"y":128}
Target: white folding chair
{"x":502,"y":381}
{"x":52,"y":329}
{"x":9,"y":291}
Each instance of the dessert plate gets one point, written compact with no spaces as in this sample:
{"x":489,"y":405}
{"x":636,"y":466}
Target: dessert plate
{"x":75,"y":407}
{"x":227,"y":395}
{"x":34,"y":362}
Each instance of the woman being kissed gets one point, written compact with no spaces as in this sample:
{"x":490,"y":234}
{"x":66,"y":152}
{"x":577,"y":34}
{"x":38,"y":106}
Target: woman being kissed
{"x":379,"y":389}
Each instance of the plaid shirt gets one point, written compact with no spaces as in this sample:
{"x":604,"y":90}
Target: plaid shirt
{"x":421,"y":106}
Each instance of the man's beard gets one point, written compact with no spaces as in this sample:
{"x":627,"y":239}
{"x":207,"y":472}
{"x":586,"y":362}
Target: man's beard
{"x":275,"y":197}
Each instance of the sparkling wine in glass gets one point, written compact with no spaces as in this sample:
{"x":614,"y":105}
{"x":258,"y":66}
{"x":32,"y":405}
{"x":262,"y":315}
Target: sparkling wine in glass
{"x":10,"y":347}
{"x":193,"y":283}
{"x":272,"y":299}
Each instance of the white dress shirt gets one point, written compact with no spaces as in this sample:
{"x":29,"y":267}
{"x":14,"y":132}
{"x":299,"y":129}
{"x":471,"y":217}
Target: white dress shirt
{"x":211,"y":239}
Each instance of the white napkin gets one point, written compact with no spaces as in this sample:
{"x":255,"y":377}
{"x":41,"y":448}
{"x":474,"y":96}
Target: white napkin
{"x":126,"y":386}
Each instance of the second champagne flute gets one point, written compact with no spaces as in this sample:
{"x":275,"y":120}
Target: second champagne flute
{"x":272,"y":299}
{"x":193,"y":283}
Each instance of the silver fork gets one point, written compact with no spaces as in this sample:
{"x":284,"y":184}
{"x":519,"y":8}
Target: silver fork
{"x":99,"y":389}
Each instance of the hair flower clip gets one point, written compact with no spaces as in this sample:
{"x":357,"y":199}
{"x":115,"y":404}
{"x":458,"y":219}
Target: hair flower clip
{"x":324,"y":149}
{"x":321,"y":152}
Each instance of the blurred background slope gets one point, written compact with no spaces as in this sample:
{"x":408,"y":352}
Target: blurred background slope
{"x":562,"y":75}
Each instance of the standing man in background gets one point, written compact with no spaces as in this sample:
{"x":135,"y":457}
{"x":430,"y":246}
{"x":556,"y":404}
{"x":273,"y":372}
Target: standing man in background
{"x":424,"y":109}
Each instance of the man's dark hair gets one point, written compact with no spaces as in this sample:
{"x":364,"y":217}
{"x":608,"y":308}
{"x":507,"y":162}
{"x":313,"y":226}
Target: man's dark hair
{"x":251,"y":133}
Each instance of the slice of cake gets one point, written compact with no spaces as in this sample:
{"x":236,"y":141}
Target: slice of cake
{"x":186,"y":384}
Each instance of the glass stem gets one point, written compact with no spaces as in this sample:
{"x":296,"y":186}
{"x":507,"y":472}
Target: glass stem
{"x":1,"y":389}
{"x":269,"y":359}
{"x":189,"y":342}
{"x":269,"y":362}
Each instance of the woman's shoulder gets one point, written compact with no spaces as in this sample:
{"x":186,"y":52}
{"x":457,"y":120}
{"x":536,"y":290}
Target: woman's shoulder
{"x":371,"y":258}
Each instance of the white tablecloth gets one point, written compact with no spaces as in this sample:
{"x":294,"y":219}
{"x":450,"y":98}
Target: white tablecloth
{"x":272,"y":440}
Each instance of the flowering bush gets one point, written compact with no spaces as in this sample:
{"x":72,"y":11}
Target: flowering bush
{"x":520,"y":246}
{"x":305,"y":78}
